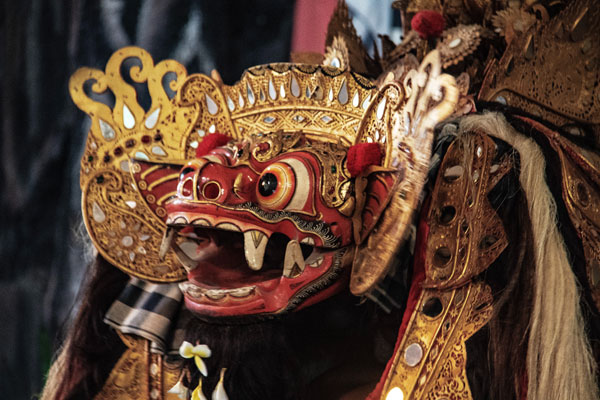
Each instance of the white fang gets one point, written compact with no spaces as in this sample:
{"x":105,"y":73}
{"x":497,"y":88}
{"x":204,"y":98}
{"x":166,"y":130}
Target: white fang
{"x":293,"y":263}
{"x":255,"y":243}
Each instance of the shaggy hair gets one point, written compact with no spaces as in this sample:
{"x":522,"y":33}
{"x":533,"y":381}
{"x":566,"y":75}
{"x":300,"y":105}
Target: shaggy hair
{"x":316,"y":353}
{"x":559,"y":359}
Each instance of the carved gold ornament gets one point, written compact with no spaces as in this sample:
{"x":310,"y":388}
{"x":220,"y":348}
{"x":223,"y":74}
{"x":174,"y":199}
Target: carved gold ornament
{"x":465,"y":237}
{"x":552,"y":69}
{"x":140,"y":374}
{"x":118,"y":219}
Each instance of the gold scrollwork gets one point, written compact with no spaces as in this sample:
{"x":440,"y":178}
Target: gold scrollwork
{"x":407,"y":135}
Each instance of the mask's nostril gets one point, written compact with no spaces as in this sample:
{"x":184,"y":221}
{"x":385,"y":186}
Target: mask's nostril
{"x":211,"y":190}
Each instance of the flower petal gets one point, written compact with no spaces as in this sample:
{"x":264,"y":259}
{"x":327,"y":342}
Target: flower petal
{"x":202,"y":350}
{"x":219,"y":393}
{"x":180,"y":390}
{"x":186,"y":350}
{"x":201,"y":366}
{"x":197,"y":393}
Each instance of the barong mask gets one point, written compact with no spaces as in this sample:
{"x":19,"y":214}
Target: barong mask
{"x":261,"y":197}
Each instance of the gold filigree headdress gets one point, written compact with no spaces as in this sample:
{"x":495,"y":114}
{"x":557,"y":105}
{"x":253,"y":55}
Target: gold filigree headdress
{"x":126,"y":221}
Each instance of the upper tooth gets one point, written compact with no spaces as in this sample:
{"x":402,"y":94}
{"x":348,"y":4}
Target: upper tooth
{"x":165,"y":245}
{"x":226,"y":226}
{"x":183,"y":258}
{"x":201,"y":222}
{"x":308,"y":240}
{"x":293,"y":263}
{"x":255,"y":243}
{"x":180,"y":220}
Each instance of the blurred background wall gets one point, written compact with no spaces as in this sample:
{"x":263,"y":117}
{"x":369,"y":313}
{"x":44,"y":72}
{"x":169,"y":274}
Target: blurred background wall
{"x":43,"y":248}
{"x":43,"y":42}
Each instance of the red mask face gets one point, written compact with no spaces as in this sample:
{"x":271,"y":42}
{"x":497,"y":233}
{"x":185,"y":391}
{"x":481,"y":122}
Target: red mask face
{"x":259,"y":226}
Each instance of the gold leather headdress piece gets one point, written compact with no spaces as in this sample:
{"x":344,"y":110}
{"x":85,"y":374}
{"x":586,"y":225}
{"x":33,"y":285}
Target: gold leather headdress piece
{"x":329,"y":104}
{"x":552,"y":69}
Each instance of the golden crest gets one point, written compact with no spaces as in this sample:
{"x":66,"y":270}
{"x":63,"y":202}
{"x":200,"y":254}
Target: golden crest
{"x":325,"y":103}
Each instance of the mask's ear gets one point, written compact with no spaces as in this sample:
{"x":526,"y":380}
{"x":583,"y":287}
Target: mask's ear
{"x":157,"y":183}
{"x":372,"y":186}
{"x":372,"y":196}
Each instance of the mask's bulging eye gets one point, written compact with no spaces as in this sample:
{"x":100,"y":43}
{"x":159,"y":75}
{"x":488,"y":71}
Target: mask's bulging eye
{"x":276,"y":186}
{"x":285,"y":185}
{"x":267,"y":185}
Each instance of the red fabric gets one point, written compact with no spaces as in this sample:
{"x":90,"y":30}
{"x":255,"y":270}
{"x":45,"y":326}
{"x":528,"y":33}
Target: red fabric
{"x":413,"y":296}
{"x":311,"y":18}
{"x":361,"y":156}
{"x":211,"y":142}
{"x":428,"y":24}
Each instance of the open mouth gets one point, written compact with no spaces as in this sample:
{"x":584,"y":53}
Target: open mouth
{"x":247,"y":269}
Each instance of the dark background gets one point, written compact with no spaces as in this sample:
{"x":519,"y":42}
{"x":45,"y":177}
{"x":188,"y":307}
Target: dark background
{"x":43,"y":250}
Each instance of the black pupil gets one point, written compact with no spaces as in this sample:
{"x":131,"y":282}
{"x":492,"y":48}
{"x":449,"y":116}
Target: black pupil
{"x":267,"y":184}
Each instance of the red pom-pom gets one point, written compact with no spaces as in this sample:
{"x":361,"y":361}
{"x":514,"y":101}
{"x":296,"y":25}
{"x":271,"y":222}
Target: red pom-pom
{"x":362,"y":155}
{"x":211,"y":142}
{"x":428,"y":24}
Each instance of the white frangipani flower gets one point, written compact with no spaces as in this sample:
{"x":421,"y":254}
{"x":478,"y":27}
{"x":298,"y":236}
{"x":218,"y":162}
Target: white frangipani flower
{"x":197,"y":352}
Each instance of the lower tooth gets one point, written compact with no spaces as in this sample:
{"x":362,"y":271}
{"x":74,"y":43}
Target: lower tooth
{"x":215,"y":294}
{"x":191,"y":289}
{"x":241,"y":292}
